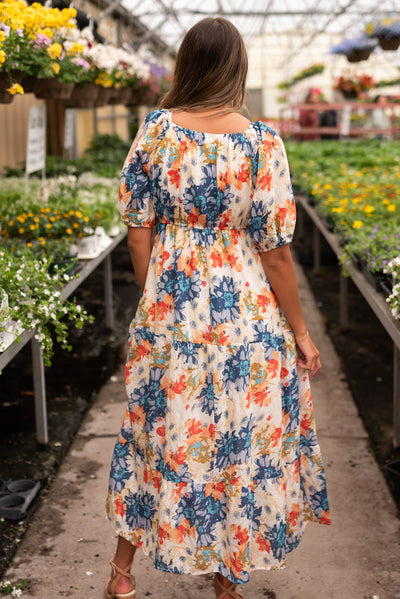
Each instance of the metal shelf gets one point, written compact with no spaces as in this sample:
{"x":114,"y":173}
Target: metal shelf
{"x":39,"y":383}
{"x":375,"y":300}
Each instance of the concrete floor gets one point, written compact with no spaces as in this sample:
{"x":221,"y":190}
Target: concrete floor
{"x":66,"y":549}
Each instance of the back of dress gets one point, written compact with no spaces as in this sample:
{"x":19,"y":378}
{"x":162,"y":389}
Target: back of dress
{"x":217,"y":466}
{"x":217,"y":200}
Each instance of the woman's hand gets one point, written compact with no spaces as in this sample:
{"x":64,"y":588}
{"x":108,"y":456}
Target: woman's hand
{"x":309,"y":355}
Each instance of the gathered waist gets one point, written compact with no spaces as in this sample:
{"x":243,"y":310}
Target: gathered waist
{"x":162,"y":225}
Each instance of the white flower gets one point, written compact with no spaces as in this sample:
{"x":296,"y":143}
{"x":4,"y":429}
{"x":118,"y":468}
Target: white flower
{"x":16,"y":592}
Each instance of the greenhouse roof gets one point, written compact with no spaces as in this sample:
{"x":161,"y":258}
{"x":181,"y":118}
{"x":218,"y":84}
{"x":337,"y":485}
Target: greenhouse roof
{"x":169,"y":19}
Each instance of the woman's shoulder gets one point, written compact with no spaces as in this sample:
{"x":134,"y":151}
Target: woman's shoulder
{"x":154,"y":124}
{"x":266,"y":134}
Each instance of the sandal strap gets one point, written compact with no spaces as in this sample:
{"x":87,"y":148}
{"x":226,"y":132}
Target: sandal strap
{"x":231,"y":590}
{"x":118,"y":573}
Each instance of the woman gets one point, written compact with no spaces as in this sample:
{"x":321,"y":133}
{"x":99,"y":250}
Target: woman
{"x":217,"y":466}
{"x":309,"y":117}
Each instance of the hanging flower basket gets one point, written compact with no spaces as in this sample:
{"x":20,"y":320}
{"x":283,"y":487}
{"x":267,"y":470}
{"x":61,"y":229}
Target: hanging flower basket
{"x":349,"y":94}
{"x":359,"y":54}
{"x":53,"y":89}
{"x":6,"y":80}
{"x":30,"y":84}
{"x":389,"y":43}
{"x":105,"y":95}
{"x":84,"y":95}
{"x":135,"y":96}
{"x":355,"y":50}
{"x":124,"y":94}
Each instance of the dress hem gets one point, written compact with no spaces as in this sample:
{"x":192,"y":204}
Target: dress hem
{"x":212,"y":569}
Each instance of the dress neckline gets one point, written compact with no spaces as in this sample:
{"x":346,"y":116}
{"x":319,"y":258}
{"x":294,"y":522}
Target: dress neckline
{"x":194,"y":131}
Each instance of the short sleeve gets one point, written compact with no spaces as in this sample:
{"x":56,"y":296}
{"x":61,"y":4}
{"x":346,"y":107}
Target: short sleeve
{"x":272,"y":215}
{"x":134,"y":199}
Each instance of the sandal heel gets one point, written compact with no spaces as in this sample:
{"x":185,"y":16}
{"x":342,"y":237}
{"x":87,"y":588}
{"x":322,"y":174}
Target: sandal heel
{"x":116,"y":575}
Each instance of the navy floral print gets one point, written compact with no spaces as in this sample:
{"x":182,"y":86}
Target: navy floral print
{"x":217,"y":466}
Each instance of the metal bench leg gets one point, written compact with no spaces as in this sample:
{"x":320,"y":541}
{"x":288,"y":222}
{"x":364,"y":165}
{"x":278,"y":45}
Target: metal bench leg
{"x":39,"y":388}
{"x":108,"y":292}
{"x":317,"y":248}
{"x":343,"y":303}
{"x":396,"y":396}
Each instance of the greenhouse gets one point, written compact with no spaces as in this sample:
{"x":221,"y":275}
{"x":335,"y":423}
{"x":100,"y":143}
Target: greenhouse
{"x":200,"y":238}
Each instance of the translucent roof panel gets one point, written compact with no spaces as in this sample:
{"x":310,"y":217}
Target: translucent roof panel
{"x":171,"y":19}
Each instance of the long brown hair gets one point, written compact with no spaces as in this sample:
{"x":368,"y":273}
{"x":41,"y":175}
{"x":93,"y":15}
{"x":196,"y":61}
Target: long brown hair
{"x":211,"y":68}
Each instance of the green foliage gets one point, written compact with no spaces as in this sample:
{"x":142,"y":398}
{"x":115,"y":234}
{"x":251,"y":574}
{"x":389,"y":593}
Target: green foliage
{"x":105,"y":156}
{"x":315,"y":69}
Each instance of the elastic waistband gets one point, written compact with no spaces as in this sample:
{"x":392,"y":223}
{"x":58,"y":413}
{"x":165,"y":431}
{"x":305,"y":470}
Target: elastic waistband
{"x":163,"y":225}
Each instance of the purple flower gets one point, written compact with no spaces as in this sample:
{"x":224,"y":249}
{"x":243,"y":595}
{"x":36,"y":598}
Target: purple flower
{"x":5,"y":29}
{"x":81,"y":62}
{"x":42,"y":40}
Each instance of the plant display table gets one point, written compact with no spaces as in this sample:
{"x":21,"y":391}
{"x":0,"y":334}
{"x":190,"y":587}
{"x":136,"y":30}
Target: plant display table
{"x":39,"y":385}
{"x":375,"y":299}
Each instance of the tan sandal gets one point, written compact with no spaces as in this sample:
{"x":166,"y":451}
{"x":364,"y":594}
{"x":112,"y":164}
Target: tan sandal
{"x":226,"y":590}
{"x":115,"y":577}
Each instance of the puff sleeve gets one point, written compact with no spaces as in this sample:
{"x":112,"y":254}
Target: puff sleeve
{"x":272,"y":215}
{"x":134,"y":199}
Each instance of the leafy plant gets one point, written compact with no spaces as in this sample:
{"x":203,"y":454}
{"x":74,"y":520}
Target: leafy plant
{"x":35,"y":299}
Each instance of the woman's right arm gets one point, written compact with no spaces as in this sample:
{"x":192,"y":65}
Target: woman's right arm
{"x":279,"y":269}
{"x":139,"y":245}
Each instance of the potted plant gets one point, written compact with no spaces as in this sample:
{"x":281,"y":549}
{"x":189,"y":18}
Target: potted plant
{"x":355,"y":50}
{"x":28,"y":41}
{"x":35,"y":299}
{"x":387,"y":32}
{"x":351,"y":85}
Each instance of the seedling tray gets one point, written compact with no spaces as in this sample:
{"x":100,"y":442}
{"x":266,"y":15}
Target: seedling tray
{"x":16,"y":496}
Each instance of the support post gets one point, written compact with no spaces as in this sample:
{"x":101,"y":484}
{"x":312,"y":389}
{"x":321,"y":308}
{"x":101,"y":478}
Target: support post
{"x":343,"y":303}
{"x":300,"y":223}
{"x":39,"y":389}
{"x":108,"y":292}
{"x":316,"y":248}
{"x":396,"y":396}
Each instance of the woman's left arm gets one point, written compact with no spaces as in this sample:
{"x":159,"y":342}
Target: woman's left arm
{"x":139,"y":245}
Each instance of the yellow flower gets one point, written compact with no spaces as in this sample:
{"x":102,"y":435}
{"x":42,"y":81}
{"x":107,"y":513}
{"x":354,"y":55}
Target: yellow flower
{"x":52,"y":219}
{"x":86,"y":219}
{"x":76,"y":48}
{"x":69,"y":231}
{"x":21,"y":230}
{"x":2,"y":36}
{"x":79,"y":214}
{"x":2,"y":56}
{"x":75,"y":226}
{"x":29,"y":244}
{"x":56,"y":67}
{"x":391,"y":207}
{"x":48,"y":226}
{"x":357,"y":224}
{"x":368,"y":208}
{"x":339,"y":209}
{"x":32,"y":227}
{"x":54,"y":50}
{"x":11,"y":222}
{"x":47,"y":31}
{"x":16,"y":88}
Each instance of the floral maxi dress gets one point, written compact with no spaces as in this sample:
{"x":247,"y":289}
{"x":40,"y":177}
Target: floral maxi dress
{"x":217,"y":466}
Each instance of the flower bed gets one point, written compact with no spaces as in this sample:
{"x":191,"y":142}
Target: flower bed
{"x":356,"y":187}
{"x":40,"y":232}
